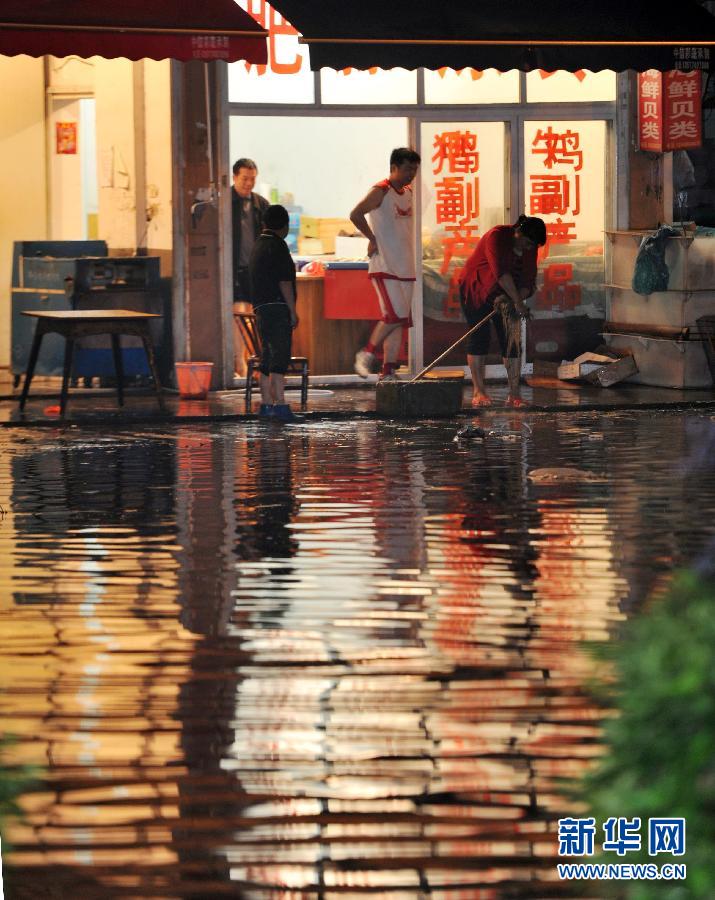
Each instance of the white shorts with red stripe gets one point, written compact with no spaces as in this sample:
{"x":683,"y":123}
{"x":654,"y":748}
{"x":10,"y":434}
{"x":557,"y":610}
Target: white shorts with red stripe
{"x":395,"y":297}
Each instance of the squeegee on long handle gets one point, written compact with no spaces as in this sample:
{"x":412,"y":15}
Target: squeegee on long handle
{"x":449,"y":349}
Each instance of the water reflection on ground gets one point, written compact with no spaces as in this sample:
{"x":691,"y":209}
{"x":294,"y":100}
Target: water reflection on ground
{"x":324,"y":660}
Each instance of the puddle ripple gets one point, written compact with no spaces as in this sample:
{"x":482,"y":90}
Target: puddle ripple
{"x":326,"y":660}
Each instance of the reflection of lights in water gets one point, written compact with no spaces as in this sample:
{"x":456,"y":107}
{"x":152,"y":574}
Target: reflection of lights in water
{"x":94,"y":700}
{"x":380,"y":686}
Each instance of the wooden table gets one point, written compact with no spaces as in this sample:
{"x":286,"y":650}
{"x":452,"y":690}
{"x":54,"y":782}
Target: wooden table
{"x":75,"y":324}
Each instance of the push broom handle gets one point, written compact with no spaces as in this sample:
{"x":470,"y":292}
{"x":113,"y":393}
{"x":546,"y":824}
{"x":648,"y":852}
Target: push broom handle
{"x":455,"y":344}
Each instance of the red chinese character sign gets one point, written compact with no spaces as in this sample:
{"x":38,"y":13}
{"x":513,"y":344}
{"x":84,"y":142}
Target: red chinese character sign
{"x":669,"y":110}
{"x":287,"y":78}
{"x":682,"y":110}
{"x":463,"y":181}
{"x":565,"y":186}
{"x":650,"y":111}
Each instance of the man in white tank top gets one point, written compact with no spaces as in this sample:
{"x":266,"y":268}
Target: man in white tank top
{"x":386,"y":217}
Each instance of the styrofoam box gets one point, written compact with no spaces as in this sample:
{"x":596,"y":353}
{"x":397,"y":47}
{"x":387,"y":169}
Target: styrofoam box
{"x":663,"y":363}
{"x":691,"y":263}
{"x":664,"y":308}
{"x":356,"y":248}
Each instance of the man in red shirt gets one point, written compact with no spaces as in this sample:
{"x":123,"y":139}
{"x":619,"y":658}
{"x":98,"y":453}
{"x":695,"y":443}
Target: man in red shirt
{"x":503,"y":264}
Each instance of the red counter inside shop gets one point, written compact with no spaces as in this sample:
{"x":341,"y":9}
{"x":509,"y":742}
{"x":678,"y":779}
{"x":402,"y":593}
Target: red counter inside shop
{"x":337,"y":311}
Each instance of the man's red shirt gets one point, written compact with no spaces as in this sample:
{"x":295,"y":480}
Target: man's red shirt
{"x":493,"y":257}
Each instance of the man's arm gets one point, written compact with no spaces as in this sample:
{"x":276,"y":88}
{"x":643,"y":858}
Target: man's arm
{"x":369,"y":202}
{"x":498,"y":252}
{"x":506,"y":282}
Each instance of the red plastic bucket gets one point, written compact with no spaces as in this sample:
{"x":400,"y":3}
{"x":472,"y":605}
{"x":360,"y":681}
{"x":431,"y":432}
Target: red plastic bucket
{"x":193,"y":379}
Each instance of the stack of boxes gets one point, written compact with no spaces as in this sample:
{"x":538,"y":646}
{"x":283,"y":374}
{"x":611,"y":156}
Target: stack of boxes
{"x":317,"y":235}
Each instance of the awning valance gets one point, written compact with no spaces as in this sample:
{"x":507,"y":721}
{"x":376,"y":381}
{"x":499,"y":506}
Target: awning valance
{"x":135,"y":29}
{"x":504,"y":34}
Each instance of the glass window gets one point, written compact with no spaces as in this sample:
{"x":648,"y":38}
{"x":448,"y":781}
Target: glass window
{"x":383,"y":86}
{"x":570,"y":87}
{"x":471,"y":86}
{"x":463,"y":180}
{"x":565,"y":185}
{"x":319,"y":166}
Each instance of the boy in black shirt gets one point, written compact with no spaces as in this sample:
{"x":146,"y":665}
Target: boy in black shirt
{"x":272,"y":278}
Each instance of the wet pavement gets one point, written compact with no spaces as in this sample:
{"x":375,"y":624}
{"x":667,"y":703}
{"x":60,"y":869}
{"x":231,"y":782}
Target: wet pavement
{"x":341,"y":658}
{"x":325,"y":400}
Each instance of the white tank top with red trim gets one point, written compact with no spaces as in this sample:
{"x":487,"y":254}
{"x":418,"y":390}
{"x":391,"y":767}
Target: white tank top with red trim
{"x":392,"y":224}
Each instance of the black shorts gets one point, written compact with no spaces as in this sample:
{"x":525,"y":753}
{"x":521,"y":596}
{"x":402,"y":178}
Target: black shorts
{"x":478,"y":343}
{"x":276,"y":337}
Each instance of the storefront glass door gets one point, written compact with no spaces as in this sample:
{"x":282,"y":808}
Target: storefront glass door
{"x":464,"y":179}
{"x":479,"y":174}
{"x":564,"y":182}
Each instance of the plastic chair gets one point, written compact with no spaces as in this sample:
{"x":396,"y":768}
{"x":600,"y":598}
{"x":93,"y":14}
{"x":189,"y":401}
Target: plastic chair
{"x":248,"y":327}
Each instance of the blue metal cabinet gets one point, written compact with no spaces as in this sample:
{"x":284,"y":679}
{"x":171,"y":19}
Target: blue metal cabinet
{"x":61,"y":275}
{"x":43,"y":279}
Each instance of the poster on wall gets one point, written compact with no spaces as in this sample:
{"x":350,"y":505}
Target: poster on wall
{"x":66,"y":137}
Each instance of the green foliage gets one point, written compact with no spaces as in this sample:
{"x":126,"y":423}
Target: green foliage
{"x":660,"y":748}
{"x":14,"y":780}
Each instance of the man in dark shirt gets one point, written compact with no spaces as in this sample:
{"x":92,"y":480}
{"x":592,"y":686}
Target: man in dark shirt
{"x":247,"y":209}
{"x":272,"y":279}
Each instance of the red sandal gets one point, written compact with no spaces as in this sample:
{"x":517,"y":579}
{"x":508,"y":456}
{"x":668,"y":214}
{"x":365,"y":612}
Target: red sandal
{"x":481,"y":401}
{"x":516,"y":402}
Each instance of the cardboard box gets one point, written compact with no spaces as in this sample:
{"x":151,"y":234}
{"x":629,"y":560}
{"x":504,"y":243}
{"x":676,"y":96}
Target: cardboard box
{"x":595,"y":358}
{"x":328,"y":230}
{"x":309,"y":227}
{"x":613,"y":372}
{"x":350,"y":247}
{"x":571,"y":370}
{"x":308,"y":246}
{"x":598,"y":369}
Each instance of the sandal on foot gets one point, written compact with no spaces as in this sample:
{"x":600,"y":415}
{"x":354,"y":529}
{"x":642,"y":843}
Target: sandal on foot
{"x":516,"y":402}
{"x":481,"y":401}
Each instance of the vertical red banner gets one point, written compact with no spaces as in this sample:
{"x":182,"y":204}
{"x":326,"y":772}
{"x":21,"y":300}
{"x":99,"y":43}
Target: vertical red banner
{"x":650,"y":111}
{"x":670,"y":115}
{"x":682,"y":110}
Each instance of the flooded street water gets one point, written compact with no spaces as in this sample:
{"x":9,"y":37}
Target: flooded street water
{"x":335,"y":659}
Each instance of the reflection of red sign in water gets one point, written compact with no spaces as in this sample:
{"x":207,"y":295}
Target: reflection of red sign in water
{"x":66,"y":137}
{"x":669,"y":110}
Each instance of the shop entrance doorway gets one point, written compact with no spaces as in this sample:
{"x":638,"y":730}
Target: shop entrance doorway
{"x":73,"y":200}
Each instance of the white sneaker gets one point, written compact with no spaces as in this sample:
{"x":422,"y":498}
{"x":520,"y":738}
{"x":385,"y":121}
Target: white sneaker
{"x":384,"y":379}
{"x":364,"y":363}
